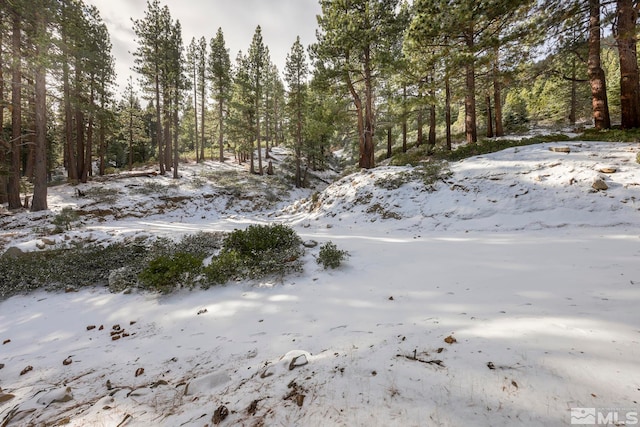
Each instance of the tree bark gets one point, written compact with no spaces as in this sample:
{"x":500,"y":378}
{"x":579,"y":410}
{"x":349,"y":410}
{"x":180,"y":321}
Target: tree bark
{"x":404,"y":118}
{"x":4,"y":145}
{"x":627,"y":17}
{"x":221,"y":128}
{"x":13,"y":188}
{"x":447,"y":111}
{"x":489,"y":117}
{"x":597,"y":82}
{"x":419,"y":124}
{"x":39,"y":201}
{"x":432,"y":113}
{"x":470,"y":92}
{"x":497,"y":97}
{"x":367,"y":157}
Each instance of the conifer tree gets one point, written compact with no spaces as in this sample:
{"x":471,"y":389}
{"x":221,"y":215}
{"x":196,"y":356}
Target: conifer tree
{"x":296,"y":71}
{"x":220,"y":75}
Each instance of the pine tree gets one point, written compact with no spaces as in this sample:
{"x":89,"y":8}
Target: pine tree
{"x":258,"y":61}
{"x":220,"y":75}
{"x":296,"y":71}
{"x":152,"y":33}
{"x":353,"y":42}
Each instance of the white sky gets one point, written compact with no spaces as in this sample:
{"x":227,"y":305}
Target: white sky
{"x":281,"y":22}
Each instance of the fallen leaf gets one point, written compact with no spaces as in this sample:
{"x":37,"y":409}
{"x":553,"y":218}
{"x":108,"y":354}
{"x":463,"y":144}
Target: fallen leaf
{"x":6,"y":342}
{"x":220,"y":414}
{"x":27,"y":369}
{"x":139,"y":372}
{"x":513,"y":383}
{"x":67,"y":361}
{"x":450,"y":340}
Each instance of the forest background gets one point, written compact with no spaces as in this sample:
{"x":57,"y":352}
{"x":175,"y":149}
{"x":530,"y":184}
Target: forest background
{"x":382,"y":78}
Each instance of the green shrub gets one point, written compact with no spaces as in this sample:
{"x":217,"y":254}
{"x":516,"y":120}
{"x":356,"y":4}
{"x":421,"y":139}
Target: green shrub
{"x":165,"y":272}
{"x":64,"y":219}
{"x":223,"y":268}
{"x":256,"y":252}
{"x":330,"y":256}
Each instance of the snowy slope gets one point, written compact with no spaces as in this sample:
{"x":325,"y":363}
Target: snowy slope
{"x":507,"y":294}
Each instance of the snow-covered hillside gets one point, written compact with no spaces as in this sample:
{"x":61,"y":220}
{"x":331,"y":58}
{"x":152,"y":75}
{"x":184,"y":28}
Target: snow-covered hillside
{"x":504,"y":294}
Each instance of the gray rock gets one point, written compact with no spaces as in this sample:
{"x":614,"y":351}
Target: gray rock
{"x":599,"y":185}
{"x":13,"y":253}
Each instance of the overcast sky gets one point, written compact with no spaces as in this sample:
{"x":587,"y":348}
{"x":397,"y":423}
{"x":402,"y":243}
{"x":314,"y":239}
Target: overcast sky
{"x":281,"y":22}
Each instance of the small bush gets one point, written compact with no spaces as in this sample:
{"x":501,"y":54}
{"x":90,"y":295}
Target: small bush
{"x":64,"y":219}
{"x":256,"y":252}
{"x":223,"y":268}
{"x":330,"y":256}
{"x":165,"y":272}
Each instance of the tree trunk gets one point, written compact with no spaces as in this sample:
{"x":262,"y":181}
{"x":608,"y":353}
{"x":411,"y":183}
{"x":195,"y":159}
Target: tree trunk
{"x":489,"y":118}
{"x":221,"y":127}
{"x":599,"y":102}
{"x":389,"y":145}
{"x":419,"y":124}
{"x":160,"y":139}
{"x":80,"y":147}
{"x":357,"y":102}
{"x":87,"y":170}
{"x":367,"y":157}
{"x":404,"y":118}
{"x":4,"y":145}
{"x":39,"y":201}
{"x":202,"y":118}
{"x":101,"y":135}
{"x":176,"y":146}
{"x":497,"y":96}
{"x":627,"y":17}
{"x":69,"y":149}
{"x":29,"y":137}
{"x":13,"y":189}
{"x":195,"y":113}
{"x":574,"y":93}
{"x":432,"y":116}
{"x":166,"y":132}
{"x":470,"y":92}
{"x":447,"y":111}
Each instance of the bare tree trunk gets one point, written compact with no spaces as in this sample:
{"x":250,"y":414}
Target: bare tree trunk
{"x":432,"y":116}
{"x":389,"y":145}
{"x":489,"y":118}
{"x":497,"y":95}
{"x":574,"y":96}
{"x":87,"y":170}
{"x":195,"y":113}
{"x":101,"y":135}
{"x":39,"y":201}
{"x":419,"y":124}
{"x":627,"y":16}
{"x":221,"y":127}
{"x":599,"y":102}
{"x":80,"y":159}
{"x":203,"y":108}
{"x":4,"y":145}
{"x":404,"y":118}
{"x":167,"y":133}
{"x":367,"y":157}
{"x":447,"y":111}
{"x":160,"y":139}
{"x":29,"y":137}
{"x":470,"y":129}
{"x":13,"y":189}
{"x":176,"y":146}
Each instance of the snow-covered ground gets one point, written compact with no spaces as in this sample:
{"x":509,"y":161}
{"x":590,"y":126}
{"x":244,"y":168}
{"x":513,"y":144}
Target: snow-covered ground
{"x":505,"y":294}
